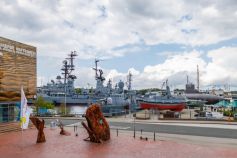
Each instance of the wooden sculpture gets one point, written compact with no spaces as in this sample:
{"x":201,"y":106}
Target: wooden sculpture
{"x":97,"y":128}
{"x":63,"y":131}
{"x":40,"y":127}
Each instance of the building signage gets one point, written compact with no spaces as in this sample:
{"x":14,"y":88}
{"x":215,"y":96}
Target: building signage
{"x":17,"y":50}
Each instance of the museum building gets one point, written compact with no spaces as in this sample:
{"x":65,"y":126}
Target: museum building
{"x":17,"y":69}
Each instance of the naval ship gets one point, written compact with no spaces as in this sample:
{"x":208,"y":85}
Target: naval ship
{"x":195,"y":97}
{"x":112,"y":100}
{"x":163,"y":101}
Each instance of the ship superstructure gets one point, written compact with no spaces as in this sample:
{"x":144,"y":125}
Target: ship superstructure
{"x":113,"y":100}
{"x":61,"y":92}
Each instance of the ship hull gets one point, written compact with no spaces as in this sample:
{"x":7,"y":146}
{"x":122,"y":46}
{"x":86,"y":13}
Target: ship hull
{"x":208,"y":98}
{"x":162,"y":106}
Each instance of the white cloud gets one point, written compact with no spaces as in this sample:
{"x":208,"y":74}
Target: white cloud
{"x":85,"y":77}
{"x":220,"y":70}
{"x":210,"y":12}
{"x":97,"y":27}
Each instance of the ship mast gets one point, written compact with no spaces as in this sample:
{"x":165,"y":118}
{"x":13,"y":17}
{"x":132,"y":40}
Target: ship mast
{"x":129,"y":81}
{"x":100,"y":75}
{"x":198,"y":86}
{"x":187,"y":80}
{"x":96,"y":68}
{"x":68,"y":67}
{"x":72,"y":56}
{"x":65,"y":70}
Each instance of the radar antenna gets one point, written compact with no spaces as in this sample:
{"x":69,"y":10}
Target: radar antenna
{"x":96,"y":70}
{"x":68,"y":67}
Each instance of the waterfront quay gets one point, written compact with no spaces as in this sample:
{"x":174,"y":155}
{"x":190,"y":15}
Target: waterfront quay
{"x":217,"y":129}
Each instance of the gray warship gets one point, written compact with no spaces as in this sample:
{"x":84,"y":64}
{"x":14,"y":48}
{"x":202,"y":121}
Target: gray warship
{"x":113,"y":101}
{"x":61,"y":92}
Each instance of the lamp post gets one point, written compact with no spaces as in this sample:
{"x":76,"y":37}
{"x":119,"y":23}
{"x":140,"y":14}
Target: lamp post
{"x":65,"y":73}
{"x":65,"y":99}
{"x":68,"y":67}
{"x":37,"y":106}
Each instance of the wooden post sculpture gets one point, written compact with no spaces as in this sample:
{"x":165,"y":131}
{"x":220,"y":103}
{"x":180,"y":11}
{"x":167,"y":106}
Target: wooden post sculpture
{"x":40,"y":127}
{"x":98,"y":128}
{"x":62,"y":132}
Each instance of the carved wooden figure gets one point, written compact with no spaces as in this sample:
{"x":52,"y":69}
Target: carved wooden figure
{"x":97,"y":127}
{"x":63,"y":131}
{"x":40,"y":127}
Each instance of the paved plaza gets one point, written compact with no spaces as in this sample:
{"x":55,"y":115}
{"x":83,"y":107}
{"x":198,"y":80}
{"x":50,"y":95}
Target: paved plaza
{"x":22,"y":145}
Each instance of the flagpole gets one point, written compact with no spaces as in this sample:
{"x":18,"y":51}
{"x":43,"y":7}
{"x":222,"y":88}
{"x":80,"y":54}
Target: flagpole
{"x":25,"y":113}
{"x":22,"y":143}
{"x":21,"y":120}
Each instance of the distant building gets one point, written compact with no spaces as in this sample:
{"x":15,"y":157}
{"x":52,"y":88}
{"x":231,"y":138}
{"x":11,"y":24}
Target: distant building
{"x":17,"y":68}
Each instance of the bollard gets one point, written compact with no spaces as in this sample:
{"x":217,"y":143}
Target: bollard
{"x":154,"y":136}
{"x":117,"y":131}
{"x":141,"y":131}
{"x":134,"y":134}
{"x":75,"y":130}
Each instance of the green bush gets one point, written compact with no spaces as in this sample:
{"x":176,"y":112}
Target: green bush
{"x":41,"y":103}
{"x":228,"y":113}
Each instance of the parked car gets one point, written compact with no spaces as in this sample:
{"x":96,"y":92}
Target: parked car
{"x":209,"y":115}
{"x":235,"y":116}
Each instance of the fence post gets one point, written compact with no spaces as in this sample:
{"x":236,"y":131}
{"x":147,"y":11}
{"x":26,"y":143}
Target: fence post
{"x":154,"y":136}
{"x":134,"y":134}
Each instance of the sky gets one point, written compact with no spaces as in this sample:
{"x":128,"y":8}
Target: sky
{"x":154,"y":40}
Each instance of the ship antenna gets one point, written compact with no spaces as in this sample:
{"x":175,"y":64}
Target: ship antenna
{"x":65,"y":70}
{"x":70,"y":59}
{"x":96,"y":68}
{"x":68,"y":66}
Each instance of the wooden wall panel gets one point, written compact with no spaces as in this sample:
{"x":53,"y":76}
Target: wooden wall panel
{"x":17,"y":68}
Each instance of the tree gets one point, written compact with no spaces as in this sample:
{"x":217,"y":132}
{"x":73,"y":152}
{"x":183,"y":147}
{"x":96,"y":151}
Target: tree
{"x":78,"y":90}
{"x":41,"y":103}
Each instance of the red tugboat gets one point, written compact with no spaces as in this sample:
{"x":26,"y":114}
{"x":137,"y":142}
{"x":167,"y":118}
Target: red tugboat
{"x":163,"y":102}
